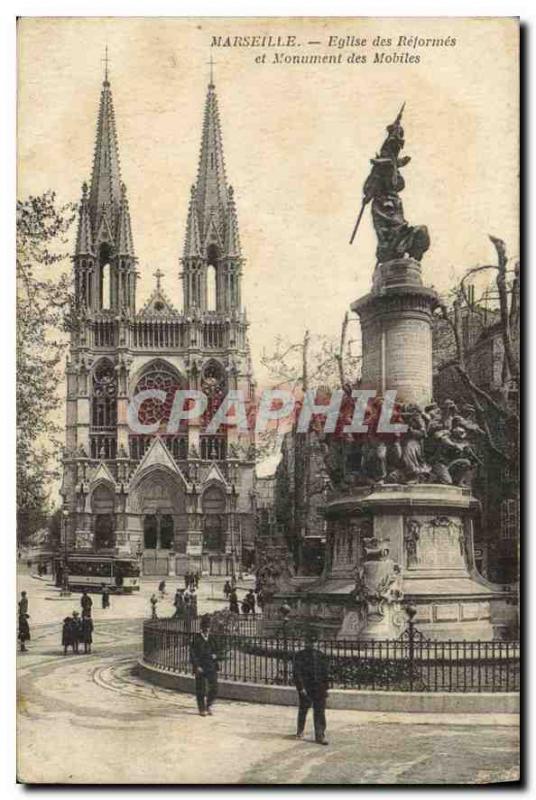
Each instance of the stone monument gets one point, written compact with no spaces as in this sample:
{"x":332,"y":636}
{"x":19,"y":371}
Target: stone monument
{"x":401,"y":513}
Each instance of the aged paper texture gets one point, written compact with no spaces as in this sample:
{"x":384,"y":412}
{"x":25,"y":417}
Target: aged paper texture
{"x":268,"y":400}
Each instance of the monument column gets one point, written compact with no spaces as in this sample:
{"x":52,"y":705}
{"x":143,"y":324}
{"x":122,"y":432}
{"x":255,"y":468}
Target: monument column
{"x":396,"y":329}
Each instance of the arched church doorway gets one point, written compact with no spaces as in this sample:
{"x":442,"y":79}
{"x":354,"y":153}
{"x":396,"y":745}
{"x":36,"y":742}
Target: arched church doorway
{"x":158,"y":532}
{"x":158,"y":503}
{"x":214,"y":531}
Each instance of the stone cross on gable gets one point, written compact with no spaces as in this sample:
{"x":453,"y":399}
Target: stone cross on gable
{"x":211,"y":63}
{"x":106,"y":61}
{"x":158,"y":275}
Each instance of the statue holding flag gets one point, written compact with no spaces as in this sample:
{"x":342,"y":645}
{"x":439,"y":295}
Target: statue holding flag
{"x":396,"y":238}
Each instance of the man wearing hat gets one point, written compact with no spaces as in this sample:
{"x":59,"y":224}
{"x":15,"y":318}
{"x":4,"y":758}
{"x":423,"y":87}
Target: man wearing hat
{"x":203,"y":655}
{"x":311,"y":676}
{"x":86,"y":603}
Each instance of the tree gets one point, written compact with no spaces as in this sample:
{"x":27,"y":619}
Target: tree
{"x":485,"y":403}
{"x":43,"y":315}
{"x":317,"y":362}
{"x":495,"y":400}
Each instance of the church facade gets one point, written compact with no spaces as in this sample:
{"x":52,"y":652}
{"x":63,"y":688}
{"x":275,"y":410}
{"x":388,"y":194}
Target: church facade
{"x":181,"y":500}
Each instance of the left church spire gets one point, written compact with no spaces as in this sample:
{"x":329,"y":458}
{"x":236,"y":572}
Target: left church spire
{"x":104,"y":258}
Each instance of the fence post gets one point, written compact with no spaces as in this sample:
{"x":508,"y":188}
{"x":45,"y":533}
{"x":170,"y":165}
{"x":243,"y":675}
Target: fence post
{"x":410,"y":611}
{"x":285,"y":651}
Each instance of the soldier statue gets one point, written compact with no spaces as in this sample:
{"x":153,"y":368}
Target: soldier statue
{"x":396,"y":238}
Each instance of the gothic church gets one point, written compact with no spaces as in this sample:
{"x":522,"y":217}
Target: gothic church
{"x":176,"y":501}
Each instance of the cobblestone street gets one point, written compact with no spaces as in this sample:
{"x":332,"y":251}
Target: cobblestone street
{"x":139,"y":733}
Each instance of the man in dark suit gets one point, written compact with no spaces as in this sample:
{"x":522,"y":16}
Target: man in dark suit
{"x":204,"y":660}
{"x":86,"y":602}
{"x":311,"y":676}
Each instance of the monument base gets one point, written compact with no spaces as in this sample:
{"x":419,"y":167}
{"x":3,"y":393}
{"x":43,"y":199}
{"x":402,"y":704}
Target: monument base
{"x":396,"y":545}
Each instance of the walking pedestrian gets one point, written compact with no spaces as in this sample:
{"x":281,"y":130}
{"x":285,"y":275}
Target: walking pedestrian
{"x":233,"y":602}
{"x":250,"y":598}
{"x":178,"y":602}
{"x":311,"y":677}
{"x":245,"y":605}
{"x":23,"y":603}
{"x":203,"y":655}
{"x":86,"y":602}
{"x":162,"y":588}
{"x":197,"y":578}
{"x":193,"y":601}
{"x":226,"y":589}
{"x":86,"y":632}
{"x":24,"y":631}
{"x":105,"y":596}
{"x":186,"y":580}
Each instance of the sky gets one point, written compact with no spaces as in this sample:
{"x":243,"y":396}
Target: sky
{"x":297,"y":142}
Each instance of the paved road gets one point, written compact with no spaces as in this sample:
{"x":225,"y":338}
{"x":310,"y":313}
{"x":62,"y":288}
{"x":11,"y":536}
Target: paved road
{"x":91,"y":719}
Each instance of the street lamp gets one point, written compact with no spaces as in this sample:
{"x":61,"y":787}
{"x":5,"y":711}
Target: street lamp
{"x":65,"y":575}
{"x":158,"y":516}
{"x":233,"y":547}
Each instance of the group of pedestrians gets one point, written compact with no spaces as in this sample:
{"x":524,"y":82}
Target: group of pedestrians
{"x":185,"y":601}
{"x":78,"y":629}
{"x":248,"y":603}
{"x":192,"y":579}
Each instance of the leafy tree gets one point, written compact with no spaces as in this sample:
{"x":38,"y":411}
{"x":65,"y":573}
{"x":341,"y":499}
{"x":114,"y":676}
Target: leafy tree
{"x":317,"y":362}
{"x":496,"y":399}
{"x":43,"y":316}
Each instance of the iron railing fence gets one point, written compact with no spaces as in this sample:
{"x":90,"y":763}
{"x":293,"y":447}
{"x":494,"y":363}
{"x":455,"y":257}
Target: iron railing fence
{"x":411,"y":663}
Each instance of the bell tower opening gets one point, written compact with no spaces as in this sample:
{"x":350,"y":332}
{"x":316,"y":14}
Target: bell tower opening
{"x":105,"y":276}
{"x":212,"y":277}
{"x":211,"y":288}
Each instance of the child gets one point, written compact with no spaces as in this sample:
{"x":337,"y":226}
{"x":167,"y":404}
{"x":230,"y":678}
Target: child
{"x":77,"y":630}
{"x":67,"y":634}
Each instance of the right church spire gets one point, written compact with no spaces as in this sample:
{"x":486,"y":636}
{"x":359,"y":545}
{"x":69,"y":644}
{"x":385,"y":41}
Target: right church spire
{"x":212,"y":243}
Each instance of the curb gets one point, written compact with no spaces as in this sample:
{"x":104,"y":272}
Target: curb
{"x":348,"y":699}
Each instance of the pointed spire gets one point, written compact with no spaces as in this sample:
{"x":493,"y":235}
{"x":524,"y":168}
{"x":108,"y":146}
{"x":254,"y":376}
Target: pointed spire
{"x":232,"y":238}
{"x":211,"y":188}
{"x":105,"y":192}
{"x":125,"y":245}
{"x":192,"y":242}
{"x":84,"y":240}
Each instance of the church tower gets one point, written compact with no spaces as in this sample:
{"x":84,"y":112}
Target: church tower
{"x":212,"y":260}
{"x":174,"y":499}
{"x":104,"y":260}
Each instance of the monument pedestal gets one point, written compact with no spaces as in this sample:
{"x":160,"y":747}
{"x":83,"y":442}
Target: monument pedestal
{"x":396,"y":545}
